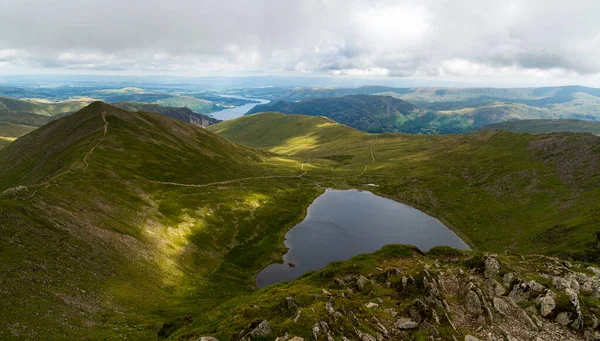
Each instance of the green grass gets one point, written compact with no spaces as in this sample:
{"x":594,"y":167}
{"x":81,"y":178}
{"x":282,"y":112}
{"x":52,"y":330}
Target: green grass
{"x":498,"y":190}
{"x":10,"y":132}
{"x":116,"y":248}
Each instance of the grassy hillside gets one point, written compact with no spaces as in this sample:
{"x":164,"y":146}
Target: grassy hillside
{"x":363,"y":112}
{"x":499,"y":190}
{"x":10,"y":132}
{"x":116,"y":222}
{"x":547,"y":126}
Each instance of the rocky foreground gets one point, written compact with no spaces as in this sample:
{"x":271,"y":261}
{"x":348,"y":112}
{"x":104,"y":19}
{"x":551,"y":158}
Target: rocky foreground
{"x":400,"y":294}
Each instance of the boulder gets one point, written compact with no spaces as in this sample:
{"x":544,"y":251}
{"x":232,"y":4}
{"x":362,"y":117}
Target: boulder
{"x":507,"y":279}
{"x":494,"y":288}
{"x":263,"y":329}
{"x":418,"y":311}
{"x":492,"y":268}
{"x":362,"y":283}
{"x":472,"y":303}
{"x":547,"y":305}
{"x":501,"y":305}
{"x":526,"y":290}
{"x":564,"y":318}
{"x":405,"y":323}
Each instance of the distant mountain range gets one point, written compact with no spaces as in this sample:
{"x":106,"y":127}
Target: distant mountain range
{"x":183,"y":114}
{"x":363,"y":112}
{"x":438,"y":110}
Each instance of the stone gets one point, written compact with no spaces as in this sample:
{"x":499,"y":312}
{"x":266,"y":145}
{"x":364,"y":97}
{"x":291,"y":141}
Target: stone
{"x":329,"y":307}
{"x":207,"y":338}
{"x":264,"y":328}
{"x":371,"y":305}
{"x":501,"y":305}
{"x":526,"y":290}
{"x":492,"y":268}
{"x":405,"y":323}
{"x":494,"y":288}
{"x":418,"y":311}
{"x":392,"y":312}
{"x":291,"y":304}
{"x":471,"y":338}
{"x":431,"y":329}
{"x":325,"y":292}
{"x":296,"y":338}
{"x":339,"y":282}
{"x":522,"y":315}
{"x":507,"y":279}
{"x":547,"y":305}
{"x":282,"y":338}
{"x":362,"y":283}
{"x":472,"y":303}
{"x":564,"y":318}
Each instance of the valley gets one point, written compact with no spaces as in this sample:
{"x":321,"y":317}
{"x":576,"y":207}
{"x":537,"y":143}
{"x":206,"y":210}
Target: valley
{"x":132,"y":220}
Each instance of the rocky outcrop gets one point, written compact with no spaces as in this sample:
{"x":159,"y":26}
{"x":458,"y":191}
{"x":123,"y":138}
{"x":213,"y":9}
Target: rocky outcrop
{"x":465,"y":297}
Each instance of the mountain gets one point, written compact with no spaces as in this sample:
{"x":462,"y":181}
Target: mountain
{"x":130,"y":225}
{"x":114,"y":222}
{"x":363,"y":112}
{"x":459,"y":110}
{"x":514,"y":184}
{"x":399,"y":293}
{"x":546,"y":126}
{"x":37,"y":112}
{"x":183,"y":114}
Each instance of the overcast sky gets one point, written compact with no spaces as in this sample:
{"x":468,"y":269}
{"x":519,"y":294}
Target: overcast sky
{"x":528,"y":42}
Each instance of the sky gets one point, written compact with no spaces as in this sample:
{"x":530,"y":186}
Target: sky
{"x":481,"y":42}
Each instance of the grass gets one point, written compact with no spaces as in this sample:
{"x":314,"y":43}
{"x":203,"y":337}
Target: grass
{"x":170,"y":220}
{"x":498,"y":190}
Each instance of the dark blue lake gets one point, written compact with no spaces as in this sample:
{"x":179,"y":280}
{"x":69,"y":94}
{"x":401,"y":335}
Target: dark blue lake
{"x":341,"y":224}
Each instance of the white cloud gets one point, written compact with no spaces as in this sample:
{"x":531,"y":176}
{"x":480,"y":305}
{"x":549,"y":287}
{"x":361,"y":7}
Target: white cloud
{"x":472,"y":40}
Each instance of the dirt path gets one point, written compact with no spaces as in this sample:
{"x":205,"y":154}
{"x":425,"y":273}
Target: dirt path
{"x":372,"y":156}
{"x":305,"y":171}
{"x":85,"y":158}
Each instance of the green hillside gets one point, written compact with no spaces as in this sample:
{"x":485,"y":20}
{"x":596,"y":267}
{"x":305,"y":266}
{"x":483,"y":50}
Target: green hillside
{"x":124,"y":225}
{"x":115,"y":222}
{"x":499,"y":190}
{"x":547,"y":126}
{"x":363,"y":112}
{"x":10,"y":132}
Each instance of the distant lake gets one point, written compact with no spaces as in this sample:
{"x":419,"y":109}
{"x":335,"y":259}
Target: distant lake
{"x":341,"y":224}
{"x":228,"y":114}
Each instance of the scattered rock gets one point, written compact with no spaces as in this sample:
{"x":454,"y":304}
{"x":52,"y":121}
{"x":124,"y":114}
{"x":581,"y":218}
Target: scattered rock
{"x":291,"y":304}
{"x":371,"y":305}
{"x":492,"y":268}
{"x":471,"y":338}
{"x":472,"y":303}
{"x":494,"y":288}
{"x":418,"y":311}
{"x":362,"y":283}
{"x":564,"y":318}
{"x":405,"y":323}
{"x":547,"y":305}
{"x":264,"y":328}
{"x":526,"y":290}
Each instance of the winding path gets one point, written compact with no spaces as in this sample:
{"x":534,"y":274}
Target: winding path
{"x":85,"y":158}
{"x":372,"y":155}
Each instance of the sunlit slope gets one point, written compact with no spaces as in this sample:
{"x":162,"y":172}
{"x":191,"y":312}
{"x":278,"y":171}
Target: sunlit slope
{"x":547,"y":126}
{"x":10,"y":132}
{"x":499,"y":190}
{"x":116,"y":222}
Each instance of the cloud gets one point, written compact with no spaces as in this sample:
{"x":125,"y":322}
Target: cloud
{"x":468,"y":39}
